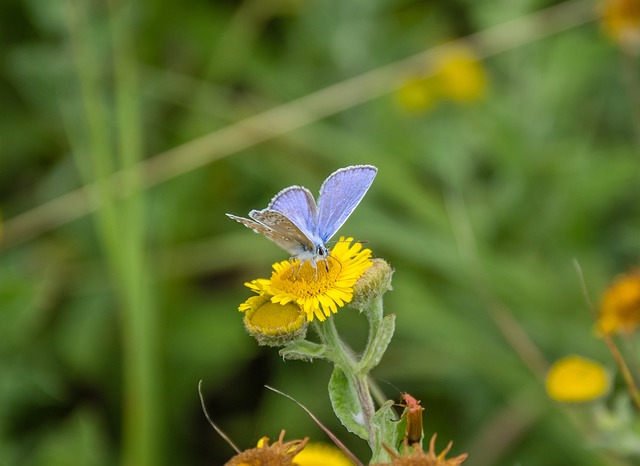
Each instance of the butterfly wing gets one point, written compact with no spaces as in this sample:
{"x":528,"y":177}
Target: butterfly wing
{"x":279,"y":229}
{"x":299,"y":206}
{"x":340,"y":194}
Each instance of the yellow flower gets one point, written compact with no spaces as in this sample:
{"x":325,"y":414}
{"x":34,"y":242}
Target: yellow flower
{"x":319,"y":454}
{"x":621,"y":22}
{"x":417,"y":94}
{"x":455,"y":75}
{"x":460,"y":76}
{"x":278,"y":454}
{"x":318,"y":291}
{"x":575,"y":379}
{"x":620,"y":306}
{"x":273,"y":324}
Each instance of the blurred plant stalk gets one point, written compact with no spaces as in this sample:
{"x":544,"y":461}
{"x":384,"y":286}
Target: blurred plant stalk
{"x":108,"y":141}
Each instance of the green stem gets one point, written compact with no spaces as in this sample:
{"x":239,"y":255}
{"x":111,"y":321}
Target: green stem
{"x":344,"y":358}
{"x":142,"y":401}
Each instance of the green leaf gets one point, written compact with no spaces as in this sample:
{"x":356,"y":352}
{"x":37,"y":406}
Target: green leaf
{"x":304,"y":350}
{"x":346,"y":404}
{"x":378,"y":345}
{"x":387,"y":432}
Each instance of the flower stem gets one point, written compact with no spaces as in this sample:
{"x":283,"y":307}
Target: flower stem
{"x":343,"y":357}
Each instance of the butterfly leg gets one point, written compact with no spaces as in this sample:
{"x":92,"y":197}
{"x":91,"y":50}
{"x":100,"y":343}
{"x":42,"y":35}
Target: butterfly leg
{"x":294,"y":271}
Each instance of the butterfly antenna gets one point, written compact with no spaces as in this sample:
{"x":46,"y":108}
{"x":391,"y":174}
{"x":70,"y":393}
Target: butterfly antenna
{"x":335,"y":439}
{"x":337,"y":261}
{"x":213,"y":424}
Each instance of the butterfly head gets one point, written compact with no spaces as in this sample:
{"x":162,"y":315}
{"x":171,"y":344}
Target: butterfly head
{"x":322,"y":252}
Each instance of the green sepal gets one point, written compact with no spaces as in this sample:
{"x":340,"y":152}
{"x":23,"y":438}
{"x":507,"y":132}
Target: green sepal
{"x":386,"y":427}
{"x":304,"y":350}
{"x":345,"y":403}
{"x":378,"y":345}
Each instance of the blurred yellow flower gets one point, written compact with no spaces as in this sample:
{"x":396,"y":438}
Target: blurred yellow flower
{"x":621,"y":22}
{"x":575,"y":379}
{"x":418,"y":94}
{"x":320,"y":454}
{"x":620,"y":305}
{"x":455,"y":75}
{"x":460,"y":75}
{"x":320,"y":290}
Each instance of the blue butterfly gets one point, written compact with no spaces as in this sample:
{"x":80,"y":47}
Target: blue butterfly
{"x":294,"y":222}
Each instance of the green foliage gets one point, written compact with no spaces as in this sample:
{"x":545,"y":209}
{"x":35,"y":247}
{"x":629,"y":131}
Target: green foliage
{"x":481,"y":208}
{"x":345,"y":403}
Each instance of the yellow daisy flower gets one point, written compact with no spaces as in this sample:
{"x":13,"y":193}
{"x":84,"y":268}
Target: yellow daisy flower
{"x":322,"y":290}
{"x":321,"y":454}
{"x":574,"y":379}
{"x":319,"y":291}
{"x":620,"y":306}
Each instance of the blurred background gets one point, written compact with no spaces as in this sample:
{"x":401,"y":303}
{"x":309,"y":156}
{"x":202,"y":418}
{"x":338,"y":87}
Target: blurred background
{"x":503,"y":162}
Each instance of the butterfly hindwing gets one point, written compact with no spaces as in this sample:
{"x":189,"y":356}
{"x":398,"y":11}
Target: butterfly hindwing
{"x":278,"y":229}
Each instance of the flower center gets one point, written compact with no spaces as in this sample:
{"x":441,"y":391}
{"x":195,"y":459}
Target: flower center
{"x":272,"y":316}
{"x":305,"y":280}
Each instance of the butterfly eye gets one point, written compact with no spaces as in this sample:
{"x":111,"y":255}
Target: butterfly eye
{"x":322,"y":250}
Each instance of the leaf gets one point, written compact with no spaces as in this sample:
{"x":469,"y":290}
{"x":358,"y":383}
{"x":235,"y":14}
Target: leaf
{"x":303,"y":349}
{"x":346,"y":404}
{"x":378,"y":345}
{"x":387,"y":431}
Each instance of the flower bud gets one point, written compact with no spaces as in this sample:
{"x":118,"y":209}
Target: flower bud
{"x":274,"y":324}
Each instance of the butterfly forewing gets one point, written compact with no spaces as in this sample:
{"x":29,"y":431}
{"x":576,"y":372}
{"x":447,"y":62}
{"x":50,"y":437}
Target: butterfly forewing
{"x":340,"y":194}
{"x":298,"y":205}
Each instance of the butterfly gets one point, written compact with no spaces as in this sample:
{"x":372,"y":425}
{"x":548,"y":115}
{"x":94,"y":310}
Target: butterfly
{"x":301,"y":227}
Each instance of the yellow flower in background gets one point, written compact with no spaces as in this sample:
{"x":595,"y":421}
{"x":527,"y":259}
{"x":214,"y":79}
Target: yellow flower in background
{"x":455,"y":75}
{"x":621,"y":22}
{"x":574,"y":379}
{"x":620,"y":305}
{"x":318,"y":291}
{"x":418,"y":94}
{"x":321,"y":454}
{"x":460,"y":75}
